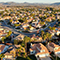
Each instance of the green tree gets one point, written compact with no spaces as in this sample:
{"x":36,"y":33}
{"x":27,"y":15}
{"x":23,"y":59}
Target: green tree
{"x":16,"y":25}
{"x":44,"y":37}
{"x":42,"y":33}
{"x":1,"y":55}
{"x":49,"y":36}
{"x":49,"y":27}
{"x":3,"y":38}
{"x":25,"y":21}
{"x":11,"y":21}
{"x":9,"y":33}
{"x":26,"y":40}
{"x":53,"y":28}
{"x":15,"y":42}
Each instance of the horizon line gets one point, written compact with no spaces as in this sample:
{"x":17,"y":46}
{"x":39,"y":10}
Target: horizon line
{"x":29,"y":2}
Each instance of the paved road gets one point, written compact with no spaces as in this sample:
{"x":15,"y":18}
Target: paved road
{"x":14,"y":30}
{"x":27,"y":34}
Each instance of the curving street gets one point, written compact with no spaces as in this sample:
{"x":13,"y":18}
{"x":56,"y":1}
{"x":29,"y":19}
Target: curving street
{"x":16,"y":33}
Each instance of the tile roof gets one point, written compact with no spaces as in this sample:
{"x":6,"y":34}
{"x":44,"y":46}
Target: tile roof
{"x":2,"y":48}
{"x":41,"y":47}
{"x":53,"y":45}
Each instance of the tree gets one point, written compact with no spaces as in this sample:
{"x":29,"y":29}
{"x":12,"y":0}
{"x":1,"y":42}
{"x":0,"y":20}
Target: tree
{"x":42,"y":33}
{"x":44,"y":37}
{"x":42,"y":23}
{"x":1,"y":55}
{"x":49,"y":36}
{"x":58,"y":20}
{"x":16,"y":25}
{"x":53,"y":28}
{"x":49,"y":27}
{"x":9,"y":33}
{"x":11,"y":21}
{"x":59,"y":24}
{"x":48,"y":20}
{"x":26,"y":39}
{"x":15,"y":42}
{"x":25,"y":21}
{"x":3,"y":38}
{"x":47,"y":8}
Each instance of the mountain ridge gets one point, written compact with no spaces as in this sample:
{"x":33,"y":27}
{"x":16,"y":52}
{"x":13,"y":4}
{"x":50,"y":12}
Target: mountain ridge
{"x":27,"y":3}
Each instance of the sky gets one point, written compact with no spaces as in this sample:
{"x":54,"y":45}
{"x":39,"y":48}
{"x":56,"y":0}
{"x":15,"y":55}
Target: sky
{"x":31,"y":1}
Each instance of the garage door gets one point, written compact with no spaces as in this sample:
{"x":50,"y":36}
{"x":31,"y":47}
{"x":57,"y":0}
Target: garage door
{"x":9,"y":56}
{"x":42,"y":55}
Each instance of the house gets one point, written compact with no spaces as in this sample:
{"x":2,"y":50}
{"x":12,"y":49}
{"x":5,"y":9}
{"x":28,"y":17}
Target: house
{"x":57,"y":32}
{"x":39,"y":38}
{"x":31,"y":28}
{"x":25,"y":26}
{"x":50,"y":18}
{"x":3,"y":48}
{"x":14,"y":22}
{"x":54,"y":48}
{"x":3,"y":33}
{"x":12,"y":52}
{"x":58,"y":16}
{"x":39,"y":50}
{"x":19,"y":37}
{"x":7,"y":17}
{"x":8,"y":55}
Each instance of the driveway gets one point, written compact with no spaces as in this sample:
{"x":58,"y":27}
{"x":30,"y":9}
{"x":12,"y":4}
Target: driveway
{"x":58,"y":55}
{"x":45,"y":58}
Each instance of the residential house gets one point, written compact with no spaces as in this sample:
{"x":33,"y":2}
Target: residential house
{"x":50,"y":18}
{"x":7,"y":17}
{"x":12,"y":52}
{"x":24,"y":26}
{"x":58,"y":16}
{"x":3,"y":33}
{"x":39,"y":50}
{"x":54,"y":48}
{"x":19,"y":37}
{"x":3,"y":48}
